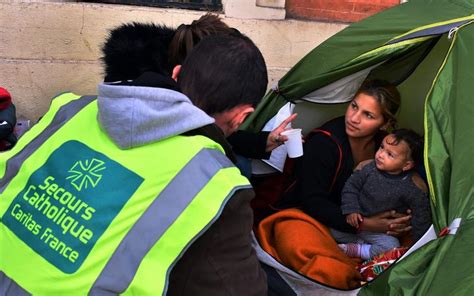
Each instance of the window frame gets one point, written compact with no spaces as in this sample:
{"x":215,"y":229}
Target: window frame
{"x":214,"y":6}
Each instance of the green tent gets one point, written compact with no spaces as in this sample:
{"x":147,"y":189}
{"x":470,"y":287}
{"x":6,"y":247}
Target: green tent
{"x":427,"y":49}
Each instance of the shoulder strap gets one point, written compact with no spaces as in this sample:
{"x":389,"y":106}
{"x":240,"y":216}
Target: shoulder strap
{"x":339,"y":163}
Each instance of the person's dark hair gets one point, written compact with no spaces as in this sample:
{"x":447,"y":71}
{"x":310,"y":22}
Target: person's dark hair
{"x":386,"y":94}
{"x":187,"y":36}
{"x":222,"y":72}
{"x":135,"y":48}
{"x":413,"y":140}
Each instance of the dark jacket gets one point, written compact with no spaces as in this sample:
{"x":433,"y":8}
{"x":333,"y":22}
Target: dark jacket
{"x":249,"y":145}
{"x":221,"y":261}
{"x":315,"y":171}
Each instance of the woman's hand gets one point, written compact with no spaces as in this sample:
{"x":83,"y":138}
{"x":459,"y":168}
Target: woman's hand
{"x":274,"y":138}
{"x":389,"y":222}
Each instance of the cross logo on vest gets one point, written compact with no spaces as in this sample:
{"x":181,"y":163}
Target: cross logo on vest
{"x":68,"y":204}
{"x":84,"y":174}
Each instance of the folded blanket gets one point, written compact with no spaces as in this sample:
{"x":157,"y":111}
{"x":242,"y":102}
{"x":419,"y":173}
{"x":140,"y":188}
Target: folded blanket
{"x":306,"y":246}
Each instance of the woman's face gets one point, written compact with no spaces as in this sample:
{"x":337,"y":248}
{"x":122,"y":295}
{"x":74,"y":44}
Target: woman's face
{"x":364,"y":117}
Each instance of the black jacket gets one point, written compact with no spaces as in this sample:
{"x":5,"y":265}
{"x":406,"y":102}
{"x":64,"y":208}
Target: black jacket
{"x":249,"y":145}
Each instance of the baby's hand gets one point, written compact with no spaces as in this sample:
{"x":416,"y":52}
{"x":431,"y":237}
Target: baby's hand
{"x":354,"y":219}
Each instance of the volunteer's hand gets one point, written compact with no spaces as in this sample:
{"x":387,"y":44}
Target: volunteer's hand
{"x":274,"y":138}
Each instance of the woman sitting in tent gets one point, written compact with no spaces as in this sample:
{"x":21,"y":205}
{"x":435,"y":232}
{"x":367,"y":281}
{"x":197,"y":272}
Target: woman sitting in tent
{"x":330,"y":156}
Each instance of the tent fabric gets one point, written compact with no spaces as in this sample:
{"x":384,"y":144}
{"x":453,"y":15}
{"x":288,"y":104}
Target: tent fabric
{"x":430,"y":31}
{"x":324,"y":63}
{"x":413,"y":47}
{"x":436,"y":268}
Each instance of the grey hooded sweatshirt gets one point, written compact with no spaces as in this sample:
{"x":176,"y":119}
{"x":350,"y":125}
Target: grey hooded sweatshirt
{"x":134,"y":115}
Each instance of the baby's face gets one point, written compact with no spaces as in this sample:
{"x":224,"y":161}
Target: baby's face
{"x":393,"y":158}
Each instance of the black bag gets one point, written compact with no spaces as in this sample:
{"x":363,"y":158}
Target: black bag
{"x":7,"y":127}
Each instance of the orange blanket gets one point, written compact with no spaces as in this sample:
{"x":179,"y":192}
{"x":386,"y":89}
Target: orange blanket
{"x":306,"y":246}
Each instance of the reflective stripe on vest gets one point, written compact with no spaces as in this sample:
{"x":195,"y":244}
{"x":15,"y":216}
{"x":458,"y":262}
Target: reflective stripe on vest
{"x":9,"y":287}
{"x":64,"y":113}
{"x":176,"y":189}
{"x":121,"y":268}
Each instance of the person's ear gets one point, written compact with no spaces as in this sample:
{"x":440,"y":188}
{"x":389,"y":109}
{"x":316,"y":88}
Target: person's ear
{"x":240,"y":116}
{"x":408,"y":165}
{"x":176,"y":71}
{"x":229,"y":121}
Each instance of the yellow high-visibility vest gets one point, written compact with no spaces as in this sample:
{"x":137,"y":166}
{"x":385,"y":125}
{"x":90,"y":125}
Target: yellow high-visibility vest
{"x":80,"y":216}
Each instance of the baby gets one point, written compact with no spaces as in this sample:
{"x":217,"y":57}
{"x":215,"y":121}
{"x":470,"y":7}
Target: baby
{"x":387,"y":183}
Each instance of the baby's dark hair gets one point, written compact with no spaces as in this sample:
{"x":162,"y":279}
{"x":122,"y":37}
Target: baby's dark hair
{"x":414,"y":141}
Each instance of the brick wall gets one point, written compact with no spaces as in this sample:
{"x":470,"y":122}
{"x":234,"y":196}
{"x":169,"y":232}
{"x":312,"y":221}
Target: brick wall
{"x":336,"y":10}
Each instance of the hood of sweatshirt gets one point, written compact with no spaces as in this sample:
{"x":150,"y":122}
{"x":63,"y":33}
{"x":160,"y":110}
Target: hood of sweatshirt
{"x":136,"y":115}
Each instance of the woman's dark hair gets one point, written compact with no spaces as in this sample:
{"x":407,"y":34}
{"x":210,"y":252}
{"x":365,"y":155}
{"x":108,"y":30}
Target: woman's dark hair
{"x":188,"y":36}
{"x":413,"y":140}
{"x":386,"y":94}
{"x":222,"y":72}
